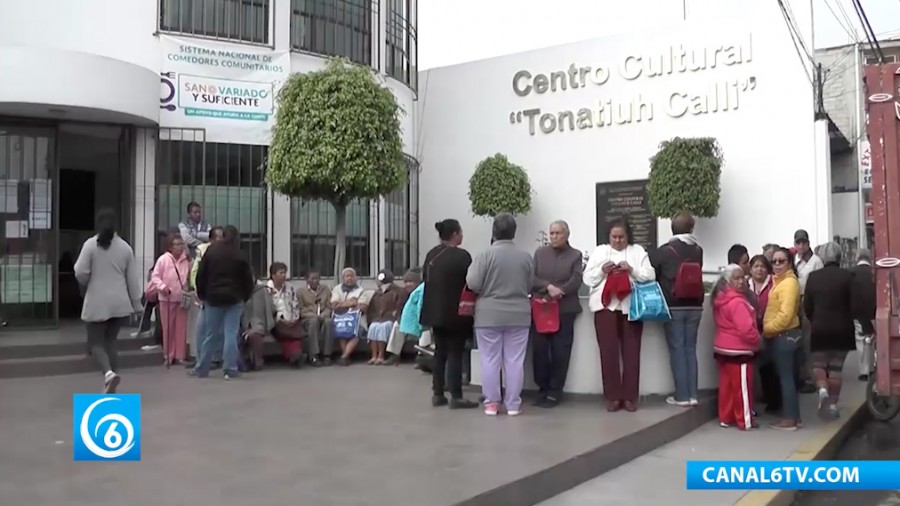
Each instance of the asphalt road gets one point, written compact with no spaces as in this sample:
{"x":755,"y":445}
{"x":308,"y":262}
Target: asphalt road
{"x":873,"y":441}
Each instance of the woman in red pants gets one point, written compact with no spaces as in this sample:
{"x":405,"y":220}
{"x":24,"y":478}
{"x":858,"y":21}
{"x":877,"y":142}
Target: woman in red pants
{"x":736,"y":342}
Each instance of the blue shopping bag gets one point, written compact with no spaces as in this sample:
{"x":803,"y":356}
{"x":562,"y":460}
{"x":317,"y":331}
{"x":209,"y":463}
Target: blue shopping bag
{"x":648,"y":303}
{"x":345,"y":325}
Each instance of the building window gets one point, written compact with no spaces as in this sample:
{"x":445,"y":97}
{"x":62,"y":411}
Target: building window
{"x":401,"y":243}
{"x":888,"y":58}
{"x":334,"y":28}
{"x":401,"y":49}
{"x":225,"y":179}
{"x":239,"y":20}
{"x":312,"y":237}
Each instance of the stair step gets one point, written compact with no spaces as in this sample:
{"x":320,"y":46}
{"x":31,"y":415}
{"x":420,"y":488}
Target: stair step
{"x":26,"y":351}
{"x":73,"y":364}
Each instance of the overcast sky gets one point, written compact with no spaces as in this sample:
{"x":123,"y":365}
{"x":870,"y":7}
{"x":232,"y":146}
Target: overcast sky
{"x":457,"y":31}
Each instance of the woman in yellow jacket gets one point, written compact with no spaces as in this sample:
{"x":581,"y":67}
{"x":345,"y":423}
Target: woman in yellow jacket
{"x":781,"y":329}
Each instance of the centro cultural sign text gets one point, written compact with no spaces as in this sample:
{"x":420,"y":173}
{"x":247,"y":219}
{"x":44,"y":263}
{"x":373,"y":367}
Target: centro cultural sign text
{"x":714,"y":97}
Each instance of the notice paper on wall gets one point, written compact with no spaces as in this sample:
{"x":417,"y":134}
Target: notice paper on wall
{"x":40,"y":196}
{"x":9,"y":192}
{"x":17,"y":229}
{"x":39,"y":220}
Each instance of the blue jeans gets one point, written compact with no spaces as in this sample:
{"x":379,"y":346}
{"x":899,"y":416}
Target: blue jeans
{"x":681,"y":337}
{"x":783,"y":348}
{"x":222,"y":325}
{"x":200,"y":335}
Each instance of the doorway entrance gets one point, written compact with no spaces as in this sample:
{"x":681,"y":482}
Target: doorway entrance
{"x":53,"y":180}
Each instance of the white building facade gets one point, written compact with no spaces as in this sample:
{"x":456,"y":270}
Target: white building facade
{"x":148,"y":105}
{"x":581,"y":116}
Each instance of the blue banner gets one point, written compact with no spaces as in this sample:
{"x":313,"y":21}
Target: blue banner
{"x":791,"y":475}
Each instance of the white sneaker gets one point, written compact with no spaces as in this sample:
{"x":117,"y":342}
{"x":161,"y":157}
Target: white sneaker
{"x":694,"y":403}
{"x":150,"y":347}
{"x":111,"y":381}
{"x":823,"y":403}
{"x":491,"y":409}
{"x":670,"y":400}
{"x":513,"y":412}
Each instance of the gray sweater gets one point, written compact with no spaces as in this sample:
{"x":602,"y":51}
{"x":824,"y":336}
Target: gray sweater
{"x":502,"y":278}
{"x":112,"y":278}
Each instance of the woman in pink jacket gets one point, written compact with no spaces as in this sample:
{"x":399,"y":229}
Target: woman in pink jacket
{"x":169,"y":279}
{"x":737,"y":339}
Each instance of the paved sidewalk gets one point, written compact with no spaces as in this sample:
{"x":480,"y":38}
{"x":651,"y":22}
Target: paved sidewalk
{"x":659,"y":476}
{"x":361,"y":435}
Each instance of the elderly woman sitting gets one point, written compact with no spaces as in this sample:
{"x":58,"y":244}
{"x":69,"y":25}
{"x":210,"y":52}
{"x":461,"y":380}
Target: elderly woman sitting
{"x":345,"y":298}
{"x":501,"y":276}
{"x":830,"y":307}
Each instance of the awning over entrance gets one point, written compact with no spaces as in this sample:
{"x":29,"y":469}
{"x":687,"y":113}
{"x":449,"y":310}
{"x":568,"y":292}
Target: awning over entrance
{"x":73,"y":86}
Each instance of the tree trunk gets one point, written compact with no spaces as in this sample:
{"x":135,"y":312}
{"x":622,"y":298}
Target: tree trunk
{"x":340,"y":240}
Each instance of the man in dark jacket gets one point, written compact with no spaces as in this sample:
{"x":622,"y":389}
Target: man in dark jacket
{"x":864,"y":295}
{"x":224,"y":283}
{"x":681,"y":330}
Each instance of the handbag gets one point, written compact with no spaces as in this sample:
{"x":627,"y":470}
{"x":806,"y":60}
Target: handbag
{"x":545,"y":314}
{"x":289,"y":330}
{"x":648,"y":303}
{"x":467,"y":302}
{"x":187,"y":297}
{"x":345,"y":325}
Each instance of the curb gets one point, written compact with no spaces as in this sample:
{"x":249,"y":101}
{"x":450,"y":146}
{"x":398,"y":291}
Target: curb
{"x":550,"y":482}
{"x":823,"y":445}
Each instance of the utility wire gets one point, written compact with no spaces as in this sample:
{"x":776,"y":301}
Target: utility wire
{"x":804,"y":57}
{"x":847,"y":18}
{"x":867,"y":28}
{"x":854,"y":37}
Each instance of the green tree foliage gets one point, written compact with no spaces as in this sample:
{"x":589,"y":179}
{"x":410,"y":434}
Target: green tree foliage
{"x":499,"y":186}
{"x":684,"y":176}
{"x":336,"y":138}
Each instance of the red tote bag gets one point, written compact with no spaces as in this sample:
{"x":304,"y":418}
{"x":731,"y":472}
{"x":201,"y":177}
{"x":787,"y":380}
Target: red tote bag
{"x":545,"y":314}
{"x":467,"y":302}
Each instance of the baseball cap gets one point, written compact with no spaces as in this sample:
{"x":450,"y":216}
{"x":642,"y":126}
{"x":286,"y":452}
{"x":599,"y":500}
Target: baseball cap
{"x":386,"y":276}
{"x":801,"y":236}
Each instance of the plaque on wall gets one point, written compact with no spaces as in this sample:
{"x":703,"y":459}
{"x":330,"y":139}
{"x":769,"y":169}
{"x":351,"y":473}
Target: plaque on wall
{"x":628,"y":199}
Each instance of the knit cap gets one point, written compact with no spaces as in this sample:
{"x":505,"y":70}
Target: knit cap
{"x":413,"y":275}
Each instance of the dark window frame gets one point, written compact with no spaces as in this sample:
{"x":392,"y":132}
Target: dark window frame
{"x":402,"y":224}
{"x":192,"y":9}
{"x":315,"y":251}
{"x":190,"y":166}
{"x":315,"y":27}
{"x":401,"y":42}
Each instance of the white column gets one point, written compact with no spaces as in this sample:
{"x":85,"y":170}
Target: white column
{"x":280,"y":23}
{"x":145,"y":198}
{"x":279,"y":229}
{"x":822,"y":171}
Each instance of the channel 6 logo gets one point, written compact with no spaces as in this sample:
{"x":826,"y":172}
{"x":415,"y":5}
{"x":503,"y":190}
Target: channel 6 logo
{"x":106,"y":427}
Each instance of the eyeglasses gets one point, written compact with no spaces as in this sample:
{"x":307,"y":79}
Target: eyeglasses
{"x":779,"y":261}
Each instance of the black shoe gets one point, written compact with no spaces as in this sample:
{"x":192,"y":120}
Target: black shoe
{"x":462,"y":404}
{"x":216,"y":365}
{"x":808,"y":388}
{"x":438,"y":400}
{"x":344,"y":361}
{"x":326,"y":362}
{"x":315,"y":362}
{"x":541,"y":399}
{"x":863,"y":377}
{"x":189,"y":364}
{"x":392,"y":360}
{"x":549,"y":403}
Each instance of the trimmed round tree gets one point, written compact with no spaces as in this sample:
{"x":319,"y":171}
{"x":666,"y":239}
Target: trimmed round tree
{"x":684,"y":176}
{"x":499,"y":186}
{"x":336,"y":138}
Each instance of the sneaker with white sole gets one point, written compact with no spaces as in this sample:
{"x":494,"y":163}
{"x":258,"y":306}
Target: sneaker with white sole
{"x":670,"y":400}
{"x":513,"y":412}
{"x":726,"y":425}
{"x":823,"y":403}
{"x":694,"y":403}
{"x":491,"y":408}
{"x":111,"y":382}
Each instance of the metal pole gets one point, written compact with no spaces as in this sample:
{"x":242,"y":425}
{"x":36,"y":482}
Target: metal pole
{"x":860,"y":136}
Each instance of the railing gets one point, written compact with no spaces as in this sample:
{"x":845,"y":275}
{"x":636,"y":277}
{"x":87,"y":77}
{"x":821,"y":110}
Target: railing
{"x":401,"y":56}
{"x":232,"y":20}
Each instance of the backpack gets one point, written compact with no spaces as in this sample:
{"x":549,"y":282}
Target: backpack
{"x":688,"y":280}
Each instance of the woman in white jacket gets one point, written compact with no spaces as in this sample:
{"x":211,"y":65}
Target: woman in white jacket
{"x":610,"y":271}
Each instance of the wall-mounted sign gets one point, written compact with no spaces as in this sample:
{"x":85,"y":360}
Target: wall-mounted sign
{"x":228,"y":90}
{"x":865,"y":164}
{"x":628,"y":199}
{"x":870,"y":213}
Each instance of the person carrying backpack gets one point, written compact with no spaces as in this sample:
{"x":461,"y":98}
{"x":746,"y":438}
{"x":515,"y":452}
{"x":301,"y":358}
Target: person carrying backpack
{"x":679,"y":271}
